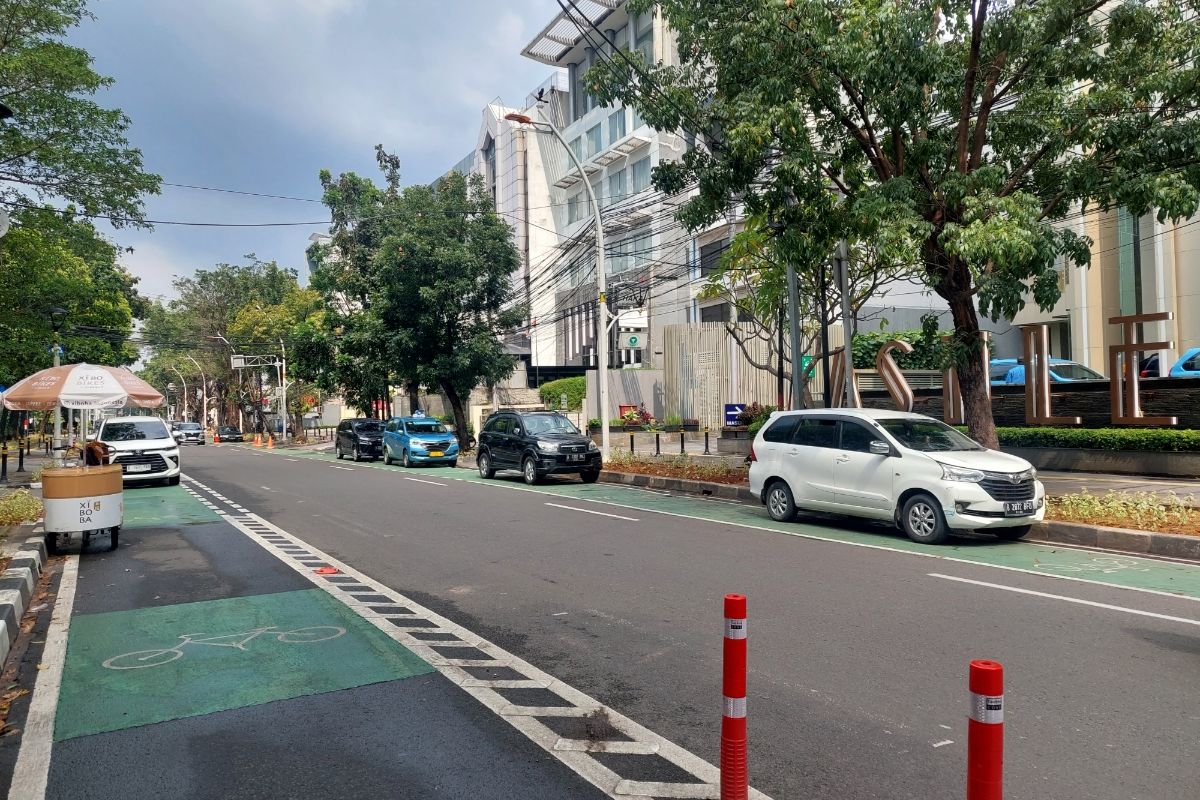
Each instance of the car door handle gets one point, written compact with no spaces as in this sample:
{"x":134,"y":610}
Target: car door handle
{"x":842,"y":459}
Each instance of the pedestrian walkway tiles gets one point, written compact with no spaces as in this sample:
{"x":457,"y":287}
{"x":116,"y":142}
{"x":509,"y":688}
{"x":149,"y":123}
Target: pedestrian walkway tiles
{"x":131,"y":668}
{"x":147,"y":506}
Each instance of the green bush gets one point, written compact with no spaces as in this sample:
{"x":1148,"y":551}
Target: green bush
{"x":574,"y":388}
{"x":1182,"y":441}
{"x":673,"y":420}
{"x":927,"y":348}
{"x":754,"y":427}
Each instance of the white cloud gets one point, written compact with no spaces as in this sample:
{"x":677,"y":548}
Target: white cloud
{"x":155,"y":268}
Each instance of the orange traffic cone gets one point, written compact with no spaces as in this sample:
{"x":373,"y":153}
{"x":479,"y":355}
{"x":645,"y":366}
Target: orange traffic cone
{"x":271,"y":441}
{"x":257,"y":440}
{"x":216,"y":437}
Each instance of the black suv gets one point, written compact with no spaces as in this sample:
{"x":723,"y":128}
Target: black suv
{"x":539,"y":443}
{"x":361,"y":438}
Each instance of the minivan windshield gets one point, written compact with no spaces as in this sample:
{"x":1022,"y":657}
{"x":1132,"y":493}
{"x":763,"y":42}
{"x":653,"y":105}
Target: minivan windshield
{"x":132,"y":431}
{"x":549,"y":423}
{"x":189,"y":426}
{"x":928,"y":435}
{"x":369,"y":426}
{"x":429,"y":426}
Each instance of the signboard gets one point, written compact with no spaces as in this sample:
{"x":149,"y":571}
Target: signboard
{"x":632,"y":341}
{"x":731,"y":413}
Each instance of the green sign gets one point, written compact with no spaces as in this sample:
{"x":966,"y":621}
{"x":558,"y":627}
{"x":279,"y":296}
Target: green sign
{"x":631,"y":341}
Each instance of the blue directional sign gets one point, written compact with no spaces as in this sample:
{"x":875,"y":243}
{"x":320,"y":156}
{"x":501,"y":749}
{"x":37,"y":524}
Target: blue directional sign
{"x":731,"y":412}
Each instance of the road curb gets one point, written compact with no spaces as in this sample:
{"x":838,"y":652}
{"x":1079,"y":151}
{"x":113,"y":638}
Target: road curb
{"x":16,"y":587}
{"x":1169,"y":545}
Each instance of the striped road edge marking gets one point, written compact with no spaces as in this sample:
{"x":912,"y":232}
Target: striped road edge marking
{"x":32,"y":770}
{"x":415,"y":627}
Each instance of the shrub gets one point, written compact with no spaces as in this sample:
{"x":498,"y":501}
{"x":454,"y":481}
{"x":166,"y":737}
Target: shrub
{"x":928,"y":350}
{"x":754,"y":427}
{"x":1166,"y":439}
{"x":594,"y":422}
{"x":638,"y":416}
{"x":754,"y":413}
{"x":616,"y":422}
{"x":19,"y":506}
{"x":1146,"y":511}
{"x":551,"y":392}
{"x":672,"y":420}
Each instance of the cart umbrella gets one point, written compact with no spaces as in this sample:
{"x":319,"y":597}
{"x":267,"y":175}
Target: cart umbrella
{"x":81,"y":386}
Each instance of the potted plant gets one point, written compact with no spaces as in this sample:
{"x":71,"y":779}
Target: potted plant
{"x":691,"y":424}
{"x":672,"y":423}
{"x":594,"y":425}
{"x":637,"y":419}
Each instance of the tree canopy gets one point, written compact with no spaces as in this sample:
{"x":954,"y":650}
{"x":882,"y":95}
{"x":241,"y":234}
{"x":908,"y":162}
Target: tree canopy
{"x":984,"y":129}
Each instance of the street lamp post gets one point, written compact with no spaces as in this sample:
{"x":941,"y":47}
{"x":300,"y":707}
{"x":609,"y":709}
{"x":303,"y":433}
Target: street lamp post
{"x":203,"y":393}
{"x":283,"y":389}
{"x":601,"y":278}
{"x":58,"y":316}
{"x":186,"y":406}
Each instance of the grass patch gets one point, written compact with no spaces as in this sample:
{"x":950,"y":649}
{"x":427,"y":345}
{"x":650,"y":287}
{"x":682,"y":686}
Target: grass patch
{"x":1141,"y":511}
{"x":678,"y":467}
{"x":19,"y":506}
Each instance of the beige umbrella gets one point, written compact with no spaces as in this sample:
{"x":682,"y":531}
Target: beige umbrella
{"x":81,"y":386}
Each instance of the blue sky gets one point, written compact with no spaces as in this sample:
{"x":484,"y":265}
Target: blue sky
{"x":259,"y":95}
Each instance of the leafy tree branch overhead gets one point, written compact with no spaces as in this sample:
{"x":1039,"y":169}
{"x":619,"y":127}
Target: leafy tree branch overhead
{"x":983,"y":129}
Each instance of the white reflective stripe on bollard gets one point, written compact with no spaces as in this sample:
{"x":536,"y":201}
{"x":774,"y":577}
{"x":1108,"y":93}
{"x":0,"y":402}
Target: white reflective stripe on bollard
{"x":988,"y":709}
{"x":735,"y":628}
{"x":735,"y":707}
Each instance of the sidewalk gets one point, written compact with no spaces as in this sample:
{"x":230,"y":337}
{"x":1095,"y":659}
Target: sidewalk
{"x":201,"y":662}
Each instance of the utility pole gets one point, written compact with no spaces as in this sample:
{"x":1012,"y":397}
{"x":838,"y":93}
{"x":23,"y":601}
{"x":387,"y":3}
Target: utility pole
{"x":203,"y":393}
{"x":843,"y":264}
{"x":57,"y":317}
{"x":823,"y":293}
{"x":781,"y":399}
{"x":794,"y":323}
{"x":283,"y":389}
{"x":186,"y":405}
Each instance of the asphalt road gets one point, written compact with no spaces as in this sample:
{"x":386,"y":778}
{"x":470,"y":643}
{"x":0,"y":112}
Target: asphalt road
{"x":858,"y":655}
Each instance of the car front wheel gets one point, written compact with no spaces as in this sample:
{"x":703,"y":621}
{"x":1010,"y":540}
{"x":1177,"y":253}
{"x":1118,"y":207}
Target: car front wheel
{"x":780,"y":503}
{"x":1013,"y":533}
{"x":484,"y":462}
{"x":922,"y":520}
{"x":357,"y":454}
{"x":529,"y":471}
{"x":405,"y":460}
{"x":590,"y":475}
{"x":337,"y":451}
{"x":387,"y":456}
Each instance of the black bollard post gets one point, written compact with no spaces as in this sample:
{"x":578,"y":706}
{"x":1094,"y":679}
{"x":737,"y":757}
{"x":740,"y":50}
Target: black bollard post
{"x":706,"y":443}
{"x":21,"y":447}
{"x":631,"y":444}
{"x":681,"y":448}
{"x":4,"y":461}
{"x":657,"y":444}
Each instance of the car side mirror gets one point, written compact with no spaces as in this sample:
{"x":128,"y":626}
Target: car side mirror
{"x":880,"y":448}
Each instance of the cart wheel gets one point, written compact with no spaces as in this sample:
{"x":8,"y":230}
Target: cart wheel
{"x":86,"y":537}
{"x":112,"y":538}
{"x":52,"y":544}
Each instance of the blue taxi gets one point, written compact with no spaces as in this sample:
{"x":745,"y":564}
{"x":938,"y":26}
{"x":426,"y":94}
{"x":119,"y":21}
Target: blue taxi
{"x":419,"y":440}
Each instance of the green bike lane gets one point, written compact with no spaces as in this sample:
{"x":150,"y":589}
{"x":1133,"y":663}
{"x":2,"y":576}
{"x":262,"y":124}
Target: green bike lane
{"x":199,"y":664}
{"x":1179,"y":579}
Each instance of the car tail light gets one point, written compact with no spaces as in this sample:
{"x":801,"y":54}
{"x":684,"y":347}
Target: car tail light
{"x":751,"y":458}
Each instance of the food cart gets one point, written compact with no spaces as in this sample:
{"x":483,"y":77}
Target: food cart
{"x":81,"y":501}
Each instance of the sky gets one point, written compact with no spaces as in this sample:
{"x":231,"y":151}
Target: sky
{"x":260,"y":95}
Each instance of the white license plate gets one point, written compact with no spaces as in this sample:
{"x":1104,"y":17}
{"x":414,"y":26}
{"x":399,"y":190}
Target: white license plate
{"x":1018,"y":509}
{"x":575,"y":457}
{"x":138,"y":468}
{"x":436,"y":453}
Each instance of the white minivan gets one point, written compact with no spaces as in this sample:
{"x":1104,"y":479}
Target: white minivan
{"x":143,"y":446}
{"x":910,"y":469}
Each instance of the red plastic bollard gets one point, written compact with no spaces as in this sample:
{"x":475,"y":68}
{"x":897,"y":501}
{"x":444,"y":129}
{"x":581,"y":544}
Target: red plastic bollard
{"x":735,"y":779}
{"x":985,"y":732}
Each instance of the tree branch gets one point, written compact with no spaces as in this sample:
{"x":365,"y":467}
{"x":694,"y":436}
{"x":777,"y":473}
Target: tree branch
{"x":968,"y":95}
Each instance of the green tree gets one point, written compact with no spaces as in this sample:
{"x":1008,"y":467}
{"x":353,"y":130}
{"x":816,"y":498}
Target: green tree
{"x":445,"y":291}
{"x":982,"y":128}
{"x":59,"y":142}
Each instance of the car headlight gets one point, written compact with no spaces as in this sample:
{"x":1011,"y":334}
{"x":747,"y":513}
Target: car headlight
{"x":1033,"y":473}
{"x":418,"y":446}
{"x":592,"y":446}
{"x":950,"y":473}
{"x":548,"y":447}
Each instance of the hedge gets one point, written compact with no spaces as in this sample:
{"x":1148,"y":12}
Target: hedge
{"x":574,"y":388}
{"x":1185,"y":441}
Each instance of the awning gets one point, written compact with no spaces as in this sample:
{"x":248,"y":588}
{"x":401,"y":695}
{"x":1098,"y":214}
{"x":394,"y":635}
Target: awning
{"x":562,"y":34}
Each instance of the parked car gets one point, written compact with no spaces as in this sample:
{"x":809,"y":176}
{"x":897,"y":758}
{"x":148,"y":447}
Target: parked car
{"x":1009,"y":371}
{"x":189,"y":433}
{"x":1188,"y":366}
{"x":228,"y":433}
{"x":538,"y":443}
{"x":143,"y":446}
{"x":909,"y":469}
{"x":361,"y":438}
{"x":419,"y":440}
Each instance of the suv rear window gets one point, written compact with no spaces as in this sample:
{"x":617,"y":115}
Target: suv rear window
{"x":817,"y":433}
{"x":781,"y":429}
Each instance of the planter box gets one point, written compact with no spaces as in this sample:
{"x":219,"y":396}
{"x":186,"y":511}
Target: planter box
{"x":1122,"y":462}
{"x":691,"y":426}
{"x":734,"y":446}
{"x":740,"y":432}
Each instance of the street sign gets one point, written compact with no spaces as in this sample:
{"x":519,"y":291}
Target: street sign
{"x":632,"y":341}
{"x":731,"y":413}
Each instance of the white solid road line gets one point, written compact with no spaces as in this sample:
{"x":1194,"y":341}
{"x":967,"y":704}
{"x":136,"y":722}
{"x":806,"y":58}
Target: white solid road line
{"x":33,"y":760}
{"x":431,"y":483}
{"x":348,"y":469}
{"x":597,"y":513}
{"x":1065,"y":599}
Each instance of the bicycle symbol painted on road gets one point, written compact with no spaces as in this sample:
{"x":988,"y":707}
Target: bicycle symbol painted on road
{"x":140,"y":659}
{"x":1106,"y":565}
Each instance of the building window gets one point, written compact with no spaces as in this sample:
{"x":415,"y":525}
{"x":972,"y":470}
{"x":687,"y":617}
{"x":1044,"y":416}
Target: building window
{"x":595,"y":141}
{"x":1129,"y":282}
{"x":617,"y":186}
{"x":643,"y":40}
{"x":619,"y":38}
{"x":598,"y":193}
{"x":710,"y":257}
{"x":717,"y":313}
{"x":631,"y":252}
{"x":578,"y":89}
{"x":641,"y":174}
{"x":616,"y":125}
{"x":638,"y":119}
{"x":575,"y":208}
{"x":577,"y":147}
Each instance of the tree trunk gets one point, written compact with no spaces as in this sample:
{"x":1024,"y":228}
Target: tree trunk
{"x":413,"y":389}
{"x":972,"y":377}
{"x":460,"y":415}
